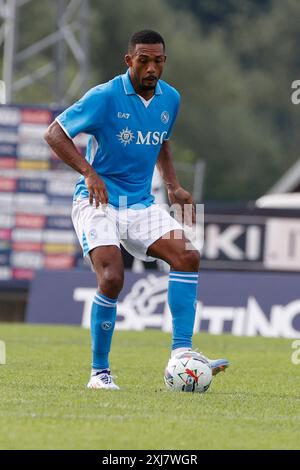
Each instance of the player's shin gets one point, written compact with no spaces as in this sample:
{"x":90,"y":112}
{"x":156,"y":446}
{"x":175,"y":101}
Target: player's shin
{"x":182,"y":297}
{"x":103,"y":319}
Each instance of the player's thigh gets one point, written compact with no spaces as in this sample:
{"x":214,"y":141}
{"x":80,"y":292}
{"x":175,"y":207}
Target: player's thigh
{"x":176,"y":250}
{"x":171,"y":245}
{"x":146,"y":226}
{"x":108,"y":262}
{"x":94,"y":226}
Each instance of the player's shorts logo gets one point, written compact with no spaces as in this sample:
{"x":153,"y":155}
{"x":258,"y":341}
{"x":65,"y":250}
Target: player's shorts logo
{"x":126,"y":136}
{"x":92,"y":234}
{"x":165,"y":117}
{"x":106,"y":325}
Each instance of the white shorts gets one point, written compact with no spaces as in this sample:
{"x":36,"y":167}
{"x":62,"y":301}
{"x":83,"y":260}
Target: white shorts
{"x":135,"y":229}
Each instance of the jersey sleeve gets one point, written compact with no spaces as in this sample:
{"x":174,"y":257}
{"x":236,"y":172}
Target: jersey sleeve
{"x":174,"y":116}
{"x":85,"y":115}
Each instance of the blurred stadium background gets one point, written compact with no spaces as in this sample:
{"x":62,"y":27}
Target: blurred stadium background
{"x":236,"y":146}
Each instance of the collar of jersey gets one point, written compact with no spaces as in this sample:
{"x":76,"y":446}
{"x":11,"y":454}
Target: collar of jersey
{"x":128,"y":87}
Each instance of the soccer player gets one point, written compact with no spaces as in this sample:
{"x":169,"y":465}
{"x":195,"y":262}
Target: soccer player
{"x":129,"y":120}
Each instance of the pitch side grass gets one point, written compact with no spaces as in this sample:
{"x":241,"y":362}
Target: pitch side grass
{"x":44,"y":403}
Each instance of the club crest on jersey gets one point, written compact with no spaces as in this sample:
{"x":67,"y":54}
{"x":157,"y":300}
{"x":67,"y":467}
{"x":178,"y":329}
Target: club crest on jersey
{"x":165,"y":117}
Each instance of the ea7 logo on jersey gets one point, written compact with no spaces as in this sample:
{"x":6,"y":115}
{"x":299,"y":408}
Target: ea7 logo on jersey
{"x":123,"y":115}
{"x":126,"y":136}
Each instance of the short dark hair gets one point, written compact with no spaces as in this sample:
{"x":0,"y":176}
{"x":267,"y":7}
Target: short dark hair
{"x":146,"y":36}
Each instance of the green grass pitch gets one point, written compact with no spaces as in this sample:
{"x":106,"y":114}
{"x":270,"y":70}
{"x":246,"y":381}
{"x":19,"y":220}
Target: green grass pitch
{"x":44,"y":403}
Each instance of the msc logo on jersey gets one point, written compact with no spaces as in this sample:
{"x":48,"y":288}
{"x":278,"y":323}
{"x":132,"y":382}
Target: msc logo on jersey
{"x":126,"y":136}
{"x":165,"y":117}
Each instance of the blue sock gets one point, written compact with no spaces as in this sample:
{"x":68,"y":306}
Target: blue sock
{"x":103,"y":319}
{"x":182,"y":296}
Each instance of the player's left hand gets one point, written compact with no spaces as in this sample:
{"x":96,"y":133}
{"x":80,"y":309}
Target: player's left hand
{"x":184,"y":199}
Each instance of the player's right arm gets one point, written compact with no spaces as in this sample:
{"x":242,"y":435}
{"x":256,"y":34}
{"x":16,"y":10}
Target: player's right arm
{"x":65,"y":149}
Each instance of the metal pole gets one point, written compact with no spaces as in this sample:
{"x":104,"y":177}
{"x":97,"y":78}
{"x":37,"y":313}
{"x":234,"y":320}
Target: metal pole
{"x":84,"y":19}
{"x":69,"y":45}
{"x":199,"y":181}
{"x":9,"y":48}
{"x":60,"y":57}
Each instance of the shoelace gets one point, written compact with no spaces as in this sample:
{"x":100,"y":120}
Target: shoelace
{"x":105,"y":378}
{"x":201,"y":354}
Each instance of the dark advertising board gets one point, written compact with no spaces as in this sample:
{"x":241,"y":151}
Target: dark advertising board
{"x":242,"y":304}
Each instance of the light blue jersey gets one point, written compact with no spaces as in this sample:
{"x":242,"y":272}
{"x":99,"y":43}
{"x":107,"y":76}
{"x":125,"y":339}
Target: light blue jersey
{"x":126,"y":135}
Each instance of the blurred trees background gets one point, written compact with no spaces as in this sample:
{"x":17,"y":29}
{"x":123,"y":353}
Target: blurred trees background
{"x":233,"y":62}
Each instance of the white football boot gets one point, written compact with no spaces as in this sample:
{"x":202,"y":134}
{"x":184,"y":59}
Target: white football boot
{"x":103,"y":380}
{"x":218,"y":365}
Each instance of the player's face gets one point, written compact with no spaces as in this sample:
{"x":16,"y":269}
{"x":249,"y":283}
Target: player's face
{"x":146,"y":63}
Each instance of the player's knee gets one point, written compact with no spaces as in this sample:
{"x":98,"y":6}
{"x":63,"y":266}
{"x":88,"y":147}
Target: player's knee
{"x":189,"y":260}
{"x":112,"y":282}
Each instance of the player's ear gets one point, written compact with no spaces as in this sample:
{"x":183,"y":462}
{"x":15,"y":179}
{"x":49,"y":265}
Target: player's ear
{"x":128,"y":60}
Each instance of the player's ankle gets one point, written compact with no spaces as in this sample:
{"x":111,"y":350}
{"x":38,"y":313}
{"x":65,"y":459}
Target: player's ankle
{"x":179,"y":350}
{"x":97,"y":371}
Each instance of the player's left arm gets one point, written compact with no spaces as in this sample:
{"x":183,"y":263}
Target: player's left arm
{"x":176,"y":194}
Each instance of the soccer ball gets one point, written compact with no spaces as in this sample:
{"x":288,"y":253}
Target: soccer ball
{"x":188,"y":371}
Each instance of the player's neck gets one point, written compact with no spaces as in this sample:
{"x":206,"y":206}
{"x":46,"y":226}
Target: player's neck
{"x":146,"y":94}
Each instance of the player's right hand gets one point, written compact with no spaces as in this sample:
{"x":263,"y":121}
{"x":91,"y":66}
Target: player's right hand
{"x":96,"y":188}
